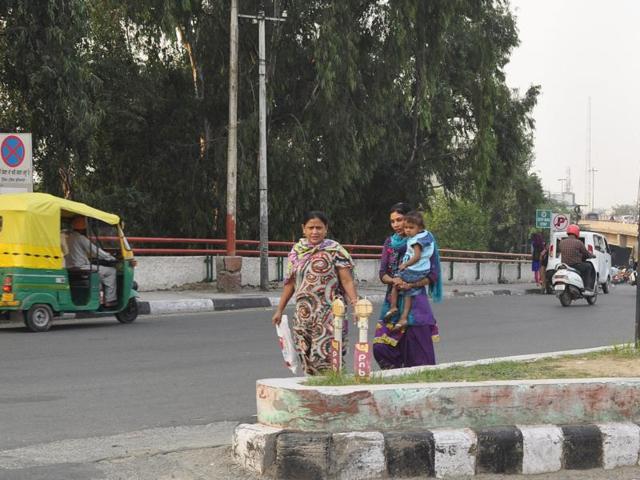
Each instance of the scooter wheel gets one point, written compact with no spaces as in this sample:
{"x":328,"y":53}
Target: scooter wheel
{"x":592,"y":300}
{"x":565,"y":298}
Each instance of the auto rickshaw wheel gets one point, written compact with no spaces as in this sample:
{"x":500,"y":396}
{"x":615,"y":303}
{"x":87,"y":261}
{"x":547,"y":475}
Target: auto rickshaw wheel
{"x":130,"y":313}
{"x":38,"y":318}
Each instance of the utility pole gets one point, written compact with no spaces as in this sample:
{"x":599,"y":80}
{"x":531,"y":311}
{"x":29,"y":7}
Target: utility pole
{"x":593,"y":189}
{"x":562,"y":188}
{"x":262,"y":156}
{"x":587,"y":170}
{"x":637,"y":337}
{"x":232,"y":146}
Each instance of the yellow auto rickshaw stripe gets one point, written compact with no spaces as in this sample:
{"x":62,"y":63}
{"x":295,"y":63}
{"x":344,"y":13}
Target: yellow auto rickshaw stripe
{"x":28,"y":256}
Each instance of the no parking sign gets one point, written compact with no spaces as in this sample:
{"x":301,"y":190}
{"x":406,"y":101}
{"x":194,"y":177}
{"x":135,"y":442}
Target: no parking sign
{"x":559,"y":222}
{"x":16,"y":165}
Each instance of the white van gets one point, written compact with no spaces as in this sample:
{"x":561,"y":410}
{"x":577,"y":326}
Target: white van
{"x":596,"y":244}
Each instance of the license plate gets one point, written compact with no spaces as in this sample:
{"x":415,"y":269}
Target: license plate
{"x":559,"y":288}
{"x":7,"y":297}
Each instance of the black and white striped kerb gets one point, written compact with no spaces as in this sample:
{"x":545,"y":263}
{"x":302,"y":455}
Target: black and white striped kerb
{"x":522,"y":449}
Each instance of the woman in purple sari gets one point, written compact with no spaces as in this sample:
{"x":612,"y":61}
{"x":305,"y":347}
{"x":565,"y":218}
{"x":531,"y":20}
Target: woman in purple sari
{"x":413,"y":345}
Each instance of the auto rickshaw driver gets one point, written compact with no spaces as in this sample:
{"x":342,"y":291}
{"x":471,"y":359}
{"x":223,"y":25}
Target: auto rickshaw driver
{"x":79,"y":254}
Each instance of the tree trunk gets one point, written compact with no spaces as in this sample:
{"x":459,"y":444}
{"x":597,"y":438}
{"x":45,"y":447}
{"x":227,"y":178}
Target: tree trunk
{"x":198,"y":87}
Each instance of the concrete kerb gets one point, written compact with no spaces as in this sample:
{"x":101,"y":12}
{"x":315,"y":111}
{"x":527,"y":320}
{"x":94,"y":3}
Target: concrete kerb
{"x":440,"y":453}
{"x":195,"y":305}
{"x":580,"y":439}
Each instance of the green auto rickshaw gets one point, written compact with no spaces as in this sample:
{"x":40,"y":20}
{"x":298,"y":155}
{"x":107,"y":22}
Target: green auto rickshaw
{"x":38,"y":283}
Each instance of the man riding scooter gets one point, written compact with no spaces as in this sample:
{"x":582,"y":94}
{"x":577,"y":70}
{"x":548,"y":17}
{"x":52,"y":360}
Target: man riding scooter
{"x":575,"y":254}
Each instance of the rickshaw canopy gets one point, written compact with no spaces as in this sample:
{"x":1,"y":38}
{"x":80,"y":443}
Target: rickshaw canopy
{"x":30,"y":228}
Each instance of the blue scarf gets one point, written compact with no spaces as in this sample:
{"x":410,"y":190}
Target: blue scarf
{"x":436,"y":290}
{"x":397,"y":242}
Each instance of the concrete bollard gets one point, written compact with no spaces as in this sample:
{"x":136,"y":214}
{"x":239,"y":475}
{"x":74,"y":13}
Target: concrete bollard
{"x":362,"y":352}
{"x":338,"y":310}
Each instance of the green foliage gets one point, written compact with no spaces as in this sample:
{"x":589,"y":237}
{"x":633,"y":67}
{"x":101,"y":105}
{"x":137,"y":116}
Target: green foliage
{"x":512,"y":212}
{"x":625,"y":210}
{"x":458,"y":224}
{"x":369,"y":103}
{"x":561,"y":367}
{"x":48,"y":85}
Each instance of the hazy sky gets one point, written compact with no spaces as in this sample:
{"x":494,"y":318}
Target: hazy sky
{"x":576,"y":49}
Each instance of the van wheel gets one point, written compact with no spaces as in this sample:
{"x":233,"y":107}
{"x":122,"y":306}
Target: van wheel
{"x":606,"y":286}
{"x":565,"y":298}
{"x":130,"y":313}
{"x":38,"y":318}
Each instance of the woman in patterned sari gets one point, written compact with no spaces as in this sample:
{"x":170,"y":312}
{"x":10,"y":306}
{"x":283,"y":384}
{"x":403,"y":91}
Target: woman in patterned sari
{"x":319,"y":271}
{"x":413,"y":345}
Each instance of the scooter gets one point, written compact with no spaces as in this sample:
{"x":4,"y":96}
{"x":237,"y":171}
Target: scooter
{"x":568,"y":285}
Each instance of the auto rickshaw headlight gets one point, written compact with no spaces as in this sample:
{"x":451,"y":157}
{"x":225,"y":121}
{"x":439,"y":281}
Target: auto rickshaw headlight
{"x":7,"y":285}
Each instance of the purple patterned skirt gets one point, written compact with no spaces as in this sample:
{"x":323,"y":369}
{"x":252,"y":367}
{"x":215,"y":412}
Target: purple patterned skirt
{"x":410,"y":346}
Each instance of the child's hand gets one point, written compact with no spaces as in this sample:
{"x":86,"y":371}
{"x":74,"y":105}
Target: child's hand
{"x":402,"y":266}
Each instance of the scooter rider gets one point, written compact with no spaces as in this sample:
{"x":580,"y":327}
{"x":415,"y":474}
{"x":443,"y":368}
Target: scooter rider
{"x":575,"y":254}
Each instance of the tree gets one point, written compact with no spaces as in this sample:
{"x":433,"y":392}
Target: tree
{"x":458,"y":224}
{"x":48,"y":86}
{"x":369,"y":103}
{"x":625,"y":210}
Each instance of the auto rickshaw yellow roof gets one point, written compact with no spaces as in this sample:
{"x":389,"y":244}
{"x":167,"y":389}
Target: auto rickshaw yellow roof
{"x":49,"y":205}
{"x":30,"y":228}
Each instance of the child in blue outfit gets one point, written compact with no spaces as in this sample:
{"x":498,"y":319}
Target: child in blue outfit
{"x":415,"y":265}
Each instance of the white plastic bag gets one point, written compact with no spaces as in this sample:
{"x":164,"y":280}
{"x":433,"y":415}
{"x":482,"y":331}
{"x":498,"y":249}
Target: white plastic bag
{"x":285,"y":339}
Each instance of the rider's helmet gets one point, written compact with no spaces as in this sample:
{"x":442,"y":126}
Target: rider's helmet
{"x":79,"y":223}
{"x":573,"y":229}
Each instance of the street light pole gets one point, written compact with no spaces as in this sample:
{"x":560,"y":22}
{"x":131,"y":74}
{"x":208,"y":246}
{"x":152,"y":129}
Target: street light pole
{"x":262,"y":156}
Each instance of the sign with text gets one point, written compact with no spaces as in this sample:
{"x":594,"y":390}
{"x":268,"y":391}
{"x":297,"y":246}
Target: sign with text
{"x":362,"y":360}
{"x":560,"y":222}
{"x":543,"y":218}
{"x":16,"y":163}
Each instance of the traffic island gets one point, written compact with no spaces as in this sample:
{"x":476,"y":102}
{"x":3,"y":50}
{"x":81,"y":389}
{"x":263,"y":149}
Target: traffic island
{"x":440,"y":429}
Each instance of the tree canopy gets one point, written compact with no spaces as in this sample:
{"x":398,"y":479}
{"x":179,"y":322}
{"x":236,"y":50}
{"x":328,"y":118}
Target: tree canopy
{"x":369,"y":103}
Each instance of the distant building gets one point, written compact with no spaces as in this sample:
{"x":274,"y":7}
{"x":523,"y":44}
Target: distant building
{"x":566,"y":198}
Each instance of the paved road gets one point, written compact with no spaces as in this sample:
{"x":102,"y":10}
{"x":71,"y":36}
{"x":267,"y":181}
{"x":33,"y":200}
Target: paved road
{"x":99,"y":378}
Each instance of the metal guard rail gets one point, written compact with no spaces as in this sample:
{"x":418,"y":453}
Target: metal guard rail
{"x":356,"y":251}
